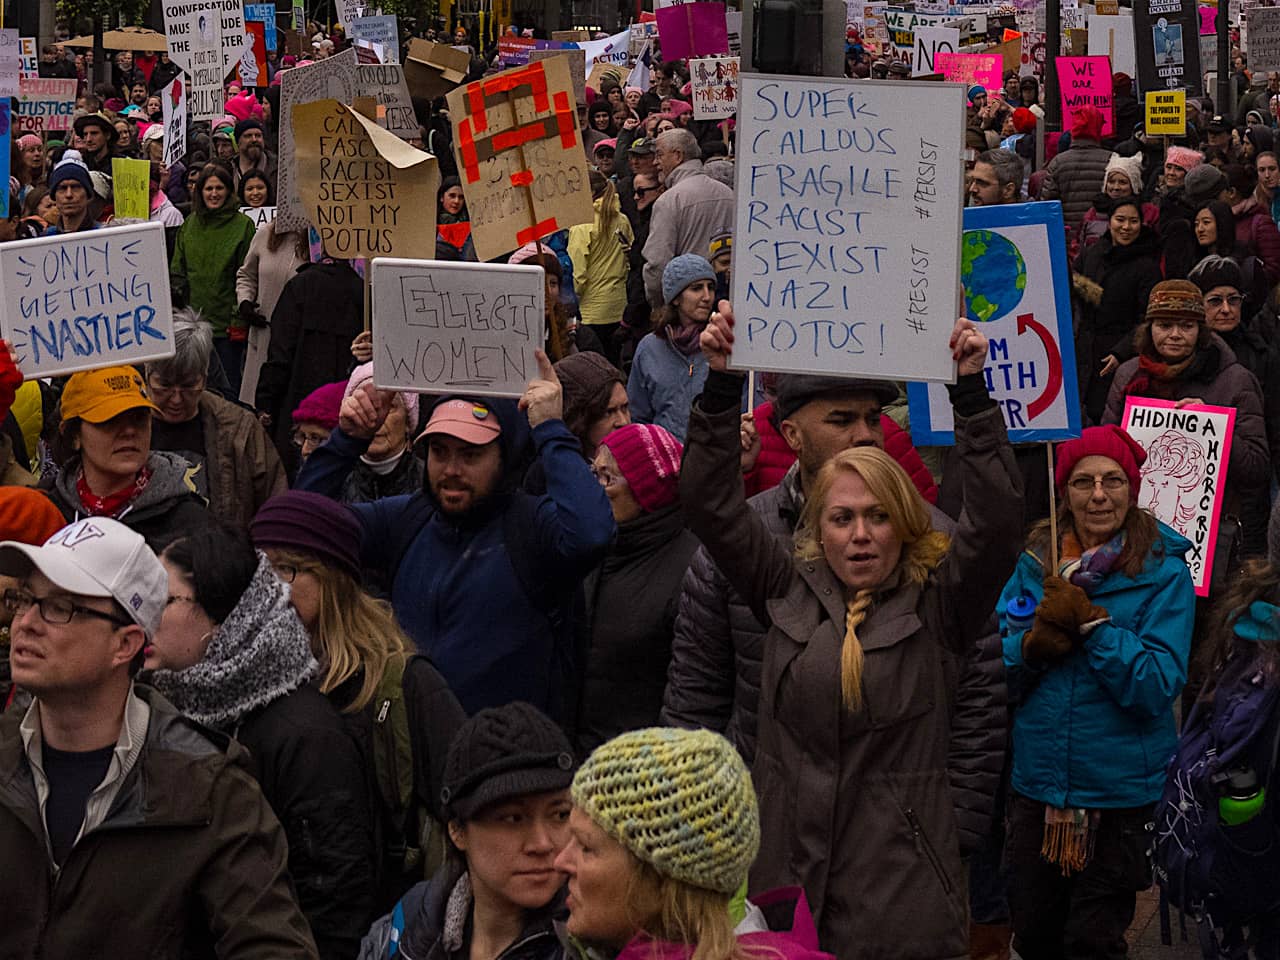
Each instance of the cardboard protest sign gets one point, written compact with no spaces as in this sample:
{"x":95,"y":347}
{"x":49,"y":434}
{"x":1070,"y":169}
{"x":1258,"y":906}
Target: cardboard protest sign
{"x":1112,"y":37}
{"x":331,"y":78}
{"x":520,"y":156}
{"x":384,"y":30}
{"x":846,"y":254}
{"x":385,"y":83}
{"x":87,"y":300}
{"x":1185,"y":473}
{"x":693,"y":30}
{"x":715,"y":87}
{"x":442,"y":327}
{"x":174,"y":105}
{"x":1086,"y":82}
{"x":433,"y":69}
{"x":577,"y":62}
{"x":261,"y":216}
{"x":29,"y":63}
{"x":1264,"y":38}
{"x":44,"y":105}
{"x":206,"y":96}
{"x":1168,"y":46}
{"x":130,"y":188}
{"x":1017,"y":286}
{"x":984,"y":69}
{"x":929,"y":42}
{"x":265,"y":14}
{"x":10,"y":62}
{"x":368,"y":193}
{"x":1166,"y":113}
{"x":201,"y":24}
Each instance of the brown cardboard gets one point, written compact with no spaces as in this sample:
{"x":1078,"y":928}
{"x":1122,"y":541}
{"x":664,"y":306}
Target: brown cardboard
{"x":571,"y":36}
{"x":433,"y":69}
{"x":577,"y":60}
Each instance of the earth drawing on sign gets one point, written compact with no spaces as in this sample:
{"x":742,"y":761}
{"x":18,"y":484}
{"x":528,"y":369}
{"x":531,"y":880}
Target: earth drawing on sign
{"x":993,"y":273}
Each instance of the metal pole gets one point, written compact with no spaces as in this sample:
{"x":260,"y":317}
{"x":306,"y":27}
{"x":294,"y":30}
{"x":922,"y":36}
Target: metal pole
{"x":1053,"y":45}
{"x":1222,"y":99}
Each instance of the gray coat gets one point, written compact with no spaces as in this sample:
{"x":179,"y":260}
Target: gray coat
{"x":692,"y":210}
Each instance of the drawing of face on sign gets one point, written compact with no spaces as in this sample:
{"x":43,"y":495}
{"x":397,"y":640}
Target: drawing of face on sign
{"x":1171,"y":478}
{"x":520,"y":156}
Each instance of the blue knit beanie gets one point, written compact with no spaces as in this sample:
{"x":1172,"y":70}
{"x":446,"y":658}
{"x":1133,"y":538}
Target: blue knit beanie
{"x":70,"y":167}
{"x":976,"y":91}
{"x":683,"y":270}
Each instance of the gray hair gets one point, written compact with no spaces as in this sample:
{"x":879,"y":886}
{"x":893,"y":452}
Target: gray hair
{"x":682,"y":142}
{"x":192,"y":348}
{"x":1007,"y":165}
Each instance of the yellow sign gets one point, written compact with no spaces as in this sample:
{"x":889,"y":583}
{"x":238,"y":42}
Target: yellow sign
{"x":131,"y":188}
{"x":1166,"y":113}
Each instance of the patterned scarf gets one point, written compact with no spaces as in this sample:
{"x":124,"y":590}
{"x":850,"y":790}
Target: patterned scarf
{"x":113,"y":504}
{"x":685,"y":339}
{"x":257,"y":655}
{"x":1088,"y":568}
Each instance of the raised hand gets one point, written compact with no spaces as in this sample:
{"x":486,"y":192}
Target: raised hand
{"x":716,"y":339}
{"x":968,"y":347}
{"x":363,"y":413}
{"x":542,"y":400}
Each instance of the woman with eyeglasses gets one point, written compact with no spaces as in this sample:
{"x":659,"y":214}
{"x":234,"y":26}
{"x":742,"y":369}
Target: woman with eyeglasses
{"x":1181,"y":358}
{"x":232,"y":654}
{"x":1092,"y":681}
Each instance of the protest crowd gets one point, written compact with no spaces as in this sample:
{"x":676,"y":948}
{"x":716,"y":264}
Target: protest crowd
{"x":307,"y":653}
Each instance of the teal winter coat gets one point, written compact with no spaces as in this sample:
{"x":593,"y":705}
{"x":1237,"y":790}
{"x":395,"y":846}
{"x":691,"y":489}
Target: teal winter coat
{"x":1095,"y":730}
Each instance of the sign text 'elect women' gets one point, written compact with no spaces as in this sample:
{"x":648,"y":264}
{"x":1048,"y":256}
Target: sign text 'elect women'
{"x":847,"y":256}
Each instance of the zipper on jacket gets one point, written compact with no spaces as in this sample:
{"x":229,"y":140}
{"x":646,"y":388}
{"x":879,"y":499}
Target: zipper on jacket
{"x":923,"y":846}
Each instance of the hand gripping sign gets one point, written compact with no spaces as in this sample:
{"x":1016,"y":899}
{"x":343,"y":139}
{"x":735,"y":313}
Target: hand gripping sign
{"x":520,"y":154}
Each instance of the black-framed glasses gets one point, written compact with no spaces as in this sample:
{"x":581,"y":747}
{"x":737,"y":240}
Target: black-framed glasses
{"x":287,"y":572}
{"x":56,"y":609}
{"x":1215,"y":302}
{"x":304,"y":439}
{"x":1111,"y":484}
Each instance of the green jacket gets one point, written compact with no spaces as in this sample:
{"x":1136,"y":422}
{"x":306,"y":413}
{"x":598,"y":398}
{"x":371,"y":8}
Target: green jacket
{"x":209,"y":249}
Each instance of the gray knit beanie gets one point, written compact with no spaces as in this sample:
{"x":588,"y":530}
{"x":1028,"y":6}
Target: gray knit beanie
{"x":683,"y":270}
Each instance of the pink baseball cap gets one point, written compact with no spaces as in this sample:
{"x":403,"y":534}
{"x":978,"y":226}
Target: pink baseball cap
{"x":465,"y":420}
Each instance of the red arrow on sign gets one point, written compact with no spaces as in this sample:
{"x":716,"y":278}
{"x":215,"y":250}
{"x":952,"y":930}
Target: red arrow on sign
{"x":1051,"y":389}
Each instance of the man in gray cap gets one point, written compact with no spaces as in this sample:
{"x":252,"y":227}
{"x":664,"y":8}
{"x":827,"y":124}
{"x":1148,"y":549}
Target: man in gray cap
{"x":1204,"y":184}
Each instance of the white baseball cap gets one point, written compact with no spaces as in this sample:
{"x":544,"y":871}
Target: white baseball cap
{"x":97,"y":557}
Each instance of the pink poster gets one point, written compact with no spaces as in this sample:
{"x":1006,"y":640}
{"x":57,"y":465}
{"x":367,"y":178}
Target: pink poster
{"x":693,"y":30}
{"x":984,"y":69}
{"x":1208,"y":18}
{"x":1086,"y":82}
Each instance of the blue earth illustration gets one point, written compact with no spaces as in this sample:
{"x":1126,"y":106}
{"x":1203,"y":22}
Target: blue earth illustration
{"x":993,"y":273}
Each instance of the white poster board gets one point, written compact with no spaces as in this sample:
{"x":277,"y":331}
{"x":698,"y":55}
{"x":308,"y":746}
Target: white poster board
{"x":10,"y":62}
{"x":384,"y":30}
{"x":1264,"y":38}
{"x":931,"y":41}
{"x":29,"y":65}
{"x":205,"y":94}
{"x":87,"y":300}
{"x":715,"y":87}
{"x":441,"y":327}
{"x":1185,"y":473}
{"x":1113,"y":37}
{"x":261,"y":216}
{"x":174,"y":107}
{"x":190,"y":25}
{"x":846,"y":254}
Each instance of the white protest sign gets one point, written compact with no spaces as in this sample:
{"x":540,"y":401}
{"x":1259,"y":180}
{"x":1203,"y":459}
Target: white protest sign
{"x":205,"y":93}
{"x":1185,"y":472}
{"x":10,"y":62}
{"x":384,"y":30}
{"x":29,"y":66}
{"x":846,"y":254}
{"x":1113,"y":37}
{"x":442,"y":327}
{"x":611,"y":50}
{"x":87,"y":300}
{"x":348,"y":11}
{"x":1264,"y":38}
{"x":931,"y":41}
{"x":201,"y":23}
{"x":715,"y":87}
{"x":174,"y":106}
{"x":44,"y":104}
{"x":733,"y":26}
{"x":261,"y":216}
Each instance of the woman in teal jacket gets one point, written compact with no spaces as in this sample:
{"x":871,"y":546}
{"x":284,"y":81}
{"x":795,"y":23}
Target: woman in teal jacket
{"x":209,"y":249}
{"x":1094,"y":680}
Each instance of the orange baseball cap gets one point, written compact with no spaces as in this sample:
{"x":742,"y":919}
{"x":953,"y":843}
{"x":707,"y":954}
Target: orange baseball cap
{"x":98,"y":395}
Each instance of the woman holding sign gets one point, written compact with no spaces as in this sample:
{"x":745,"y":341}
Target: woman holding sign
{"x":1097,"y":630}
{"x":869,"y":617}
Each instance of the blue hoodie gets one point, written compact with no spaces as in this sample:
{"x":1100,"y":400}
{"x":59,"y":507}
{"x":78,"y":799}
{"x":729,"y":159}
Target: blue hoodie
{"x":457,"y":593}
{"x":1095,"y":729}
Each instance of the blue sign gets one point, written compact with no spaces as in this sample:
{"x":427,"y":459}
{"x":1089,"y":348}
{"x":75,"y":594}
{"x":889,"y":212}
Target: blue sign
{"x":6,"y":139}
{"x":264,"y":13}
{"x":1013,"y":266}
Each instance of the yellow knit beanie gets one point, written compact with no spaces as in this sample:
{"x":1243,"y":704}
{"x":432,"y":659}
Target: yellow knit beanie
{"x":680,"y":800}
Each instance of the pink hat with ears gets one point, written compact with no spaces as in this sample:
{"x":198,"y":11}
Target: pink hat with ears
{"x":678,"y":108}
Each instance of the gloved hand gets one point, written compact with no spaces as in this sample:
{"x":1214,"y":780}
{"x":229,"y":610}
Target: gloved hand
{"x":238,"y":334}
{"x":1067,"y":606}
{"x":250,"y":316}
{"x":1046,"y":642}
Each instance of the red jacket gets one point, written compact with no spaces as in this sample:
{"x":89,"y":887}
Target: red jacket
{"x":776,"y":457}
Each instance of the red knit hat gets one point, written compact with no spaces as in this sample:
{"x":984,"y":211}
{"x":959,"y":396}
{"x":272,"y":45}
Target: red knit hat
{"x":1024,"y":121}
{"x":649,"y":458}
{"x":28,"y":516}
{"x":1109,"y":441}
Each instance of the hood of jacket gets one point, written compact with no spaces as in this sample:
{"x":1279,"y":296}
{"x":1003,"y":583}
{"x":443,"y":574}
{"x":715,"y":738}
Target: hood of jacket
{"x":515,"y":441}
{"x":170,"y":481}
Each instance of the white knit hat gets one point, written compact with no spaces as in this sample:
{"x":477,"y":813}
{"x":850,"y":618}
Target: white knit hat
{"x":1131,"y":167}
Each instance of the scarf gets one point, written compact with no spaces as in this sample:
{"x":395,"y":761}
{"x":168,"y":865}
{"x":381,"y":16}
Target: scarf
{"x":257,"y":655}
{"x":1088,"y":568}
{"x":1156,"y":378}
{"x":685,"y":339}
{"x":112,"y":505}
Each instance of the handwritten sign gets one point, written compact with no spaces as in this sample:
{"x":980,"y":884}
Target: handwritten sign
{"x":29,"y":65}
{"x":130,"y":188}
{"x":693,"y":30}
{"x":715,"y":87}
{"x":10,"y":62}
{"x":442,"y":327}
{"x":261,"y":216}
{"x":205,"y":94}
{"x":44,"y":105}
{"x":1086,"y":82}
{"x":385,"y":82}
{"x":174,"y":108}
{"x":846,"y":256}
{"x":1014,"y":272}
{"x":520,"y":156}
{"x":330,"y":78}
{"x":929,"y":42}
{"x":984,"y":69}
{"x":1264,"y":38}
{"x":200,"y":24}
{"x":1185,"y":472}
{"x":577,"y":68}
{"x":384,"y":30}
{"x":87,"y":300}
{"x":1166,"y":113}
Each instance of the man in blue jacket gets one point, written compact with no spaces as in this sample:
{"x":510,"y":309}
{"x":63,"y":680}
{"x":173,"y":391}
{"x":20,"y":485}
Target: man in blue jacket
{"x":482,"y":575}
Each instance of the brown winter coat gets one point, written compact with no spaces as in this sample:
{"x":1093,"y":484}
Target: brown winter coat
{"x":190,"y":861}
{"x":856,"y":807}
{"x":244,"y":468}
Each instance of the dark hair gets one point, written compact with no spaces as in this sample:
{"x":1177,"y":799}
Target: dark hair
{"x":32,"y":203}
{"x":1241,"y":178}
{"x":1226,"y":224}
{"x":257,"y":175}
{"x":1141,"y":538}
{"x":207,"y":173}
{"x":557,"y":318}
{"x":220,"y":563}
{"x":1258,"y":580}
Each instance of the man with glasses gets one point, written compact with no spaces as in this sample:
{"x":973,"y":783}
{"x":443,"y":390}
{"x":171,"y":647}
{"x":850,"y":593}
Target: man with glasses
{"x":136,"y":830}
{"x":235,"y":464}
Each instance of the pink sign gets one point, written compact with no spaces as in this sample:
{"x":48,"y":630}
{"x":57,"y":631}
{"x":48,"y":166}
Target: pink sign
{"x":984,"y":69}
{"x":1086,"y":82}
{"x":693,"y":30}
{"x":1208,"y":18}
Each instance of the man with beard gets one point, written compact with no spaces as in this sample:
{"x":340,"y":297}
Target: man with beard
{"x":252,"y":155}
{"x":483,"y":575}
{"x":98,"y":136}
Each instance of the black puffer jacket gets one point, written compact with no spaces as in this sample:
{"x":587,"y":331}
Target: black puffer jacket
{"x":1075,"y":176}
{"x":714,"y":680}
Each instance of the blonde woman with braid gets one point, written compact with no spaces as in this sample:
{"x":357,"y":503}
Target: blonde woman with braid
{"x":870,"y":620}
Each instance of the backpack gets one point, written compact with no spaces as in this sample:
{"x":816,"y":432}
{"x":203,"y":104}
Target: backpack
{"x":1221,"y":875}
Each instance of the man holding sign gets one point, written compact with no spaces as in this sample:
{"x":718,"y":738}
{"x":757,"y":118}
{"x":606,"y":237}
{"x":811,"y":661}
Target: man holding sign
{"x":482,"y":574}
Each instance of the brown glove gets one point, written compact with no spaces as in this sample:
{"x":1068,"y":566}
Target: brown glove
{"x":1046,"y":642}
{"x":1067,"y":606}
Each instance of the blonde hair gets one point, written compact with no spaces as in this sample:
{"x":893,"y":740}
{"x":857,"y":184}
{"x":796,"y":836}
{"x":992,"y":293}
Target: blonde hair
{"x":922,"y":547}
{"x":355,"y":631}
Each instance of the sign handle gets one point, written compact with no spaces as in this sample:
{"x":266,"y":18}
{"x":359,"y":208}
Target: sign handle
{"x":1053,"y":513}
